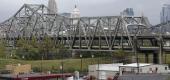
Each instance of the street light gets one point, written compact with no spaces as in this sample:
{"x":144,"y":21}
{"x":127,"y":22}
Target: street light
{"x":62,"y":66}
{"x":11,"y":55}
{"x":92,"y":56}
{"x":23,"y":57}
{"x":92,"y":59}
{"x":98,"y":65}
{"x":81,"y":61}
{"x":62,"y":70}
{"x":41,"y":63}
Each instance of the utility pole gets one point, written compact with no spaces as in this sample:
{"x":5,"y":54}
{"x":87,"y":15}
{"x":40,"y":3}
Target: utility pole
{"x":136,"y":54}
{"x":160,"y":46}
{"x":81,"y":63}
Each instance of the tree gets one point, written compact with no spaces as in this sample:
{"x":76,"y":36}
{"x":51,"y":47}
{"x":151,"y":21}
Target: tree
{"x":34,"y":48}
{"x":2,"y":48}
{"x":120,"y":56}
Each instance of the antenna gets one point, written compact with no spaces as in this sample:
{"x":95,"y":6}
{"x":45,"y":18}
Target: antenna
{"x":76,"y":3}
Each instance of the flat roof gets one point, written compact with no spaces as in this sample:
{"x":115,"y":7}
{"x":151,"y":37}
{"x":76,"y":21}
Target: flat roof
{"x":108,"y":67}
{"x":136,"y":65}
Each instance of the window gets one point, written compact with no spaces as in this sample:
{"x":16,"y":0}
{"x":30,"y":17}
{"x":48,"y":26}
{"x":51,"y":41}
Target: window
{"x":123,"y":69}
{"x":133,"y":70}
{"x":140,"y":70}
{"x":166,"y":68}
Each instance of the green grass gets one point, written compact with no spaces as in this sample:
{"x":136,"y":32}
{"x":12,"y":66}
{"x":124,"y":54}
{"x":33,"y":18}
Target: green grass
{"x":165,"y":60}
{"x":70,"y":65}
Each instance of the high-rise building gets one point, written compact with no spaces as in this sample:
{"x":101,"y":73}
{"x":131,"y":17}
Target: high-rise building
{"x":52,"y":5}
{"x":75,"y":13}
{"x":165,"y":13}
{"x":128,"y":12}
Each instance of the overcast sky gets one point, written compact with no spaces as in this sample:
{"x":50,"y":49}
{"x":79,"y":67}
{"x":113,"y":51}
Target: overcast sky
{"x":150,"y":8}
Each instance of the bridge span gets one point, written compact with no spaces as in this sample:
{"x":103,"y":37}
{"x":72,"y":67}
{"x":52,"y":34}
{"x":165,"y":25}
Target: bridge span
{"x":102,"y":33}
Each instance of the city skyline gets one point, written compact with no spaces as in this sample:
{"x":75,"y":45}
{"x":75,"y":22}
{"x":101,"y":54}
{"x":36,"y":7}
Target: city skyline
{"x":94,"y":8}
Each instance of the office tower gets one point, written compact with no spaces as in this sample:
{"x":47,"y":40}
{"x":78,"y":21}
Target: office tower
{"x":165,"y":13}
{"x":52,"y":5}
{"x":128,"y":12}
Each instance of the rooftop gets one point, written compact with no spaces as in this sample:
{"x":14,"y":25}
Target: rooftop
{"x":136,"y":65}
{"x":109,"y":67}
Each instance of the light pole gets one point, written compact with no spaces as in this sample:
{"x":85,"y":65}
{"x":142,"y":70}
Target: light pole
{"x":92,"y":56}
{"x":62,"y":70}
{"x":11,"y":55}
{"x":62,"y":66}
{"x":135,"y":51}
{"x":81,"y":61}
{"x":98,"y":66}
{"x":23,"y":57}
{"x":41,"y":63}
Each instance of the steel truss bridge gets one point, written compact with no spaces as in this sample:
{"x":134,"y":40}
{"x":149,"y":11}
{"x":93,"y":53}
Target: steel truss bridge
{"x":106,"y":33}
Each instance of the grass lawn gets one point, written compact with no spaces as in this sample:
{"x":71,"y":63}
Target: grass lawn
{"x":70,"y":65}
{"x":165,"y":60}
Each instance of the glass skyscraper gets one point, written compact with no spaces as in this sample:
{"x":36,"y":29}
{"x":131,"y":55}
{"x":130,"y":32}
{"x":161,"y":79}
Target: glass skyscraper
{"x":165,"y":13}
{"x":128,"y":12}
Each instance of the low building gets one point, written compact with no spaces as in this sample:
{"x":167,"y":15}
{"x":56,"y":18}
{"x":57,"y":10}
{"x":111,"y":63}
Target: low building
{"x":143,"y":68}
{"x":104,"y":71}
{"x":19,"y":69}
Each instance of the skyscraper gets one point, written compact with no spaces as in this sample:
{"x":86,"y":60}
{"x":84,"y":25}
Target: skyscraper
{"x":165,"y":13}
{"x":52,"y":6}
{"x":128,"y":12}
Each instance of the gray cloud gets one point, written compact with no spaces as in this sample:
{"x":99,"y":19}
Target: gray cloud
{"x":150,"y":8}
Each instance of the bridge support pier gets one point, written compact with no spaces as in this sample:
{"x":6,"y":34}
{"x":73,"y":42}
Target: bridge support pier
{"x":146,"y":58}
{"x":155,"y":58}
{"x":73,"y":53}
{"x":133,"y":59}
{"x":160,"y":50}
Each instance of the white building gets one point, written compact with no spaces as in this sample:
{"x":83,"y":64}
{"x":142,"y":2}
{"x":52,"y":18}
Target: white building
{"x":143,"y":68}
{"x":104,"y":71}
{"x":75,"y":13}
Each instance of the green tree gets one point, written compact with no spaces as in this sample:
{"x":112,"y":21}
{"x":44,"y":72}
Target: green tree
{"x":40,"y":48}
{"x":121,"y":56}
{"x":2,"y":48}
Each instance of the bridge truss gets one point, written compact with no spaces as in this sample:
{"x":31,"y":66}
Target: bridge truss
{"x":34,"y":20}
{"x":106,"y":33}
{"x":85,"y":33}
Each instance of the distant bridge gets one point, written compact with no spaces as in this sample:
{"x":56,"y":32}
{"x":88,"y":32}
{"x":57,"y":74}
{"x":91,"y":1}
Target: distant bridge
{"x":106,"y":33}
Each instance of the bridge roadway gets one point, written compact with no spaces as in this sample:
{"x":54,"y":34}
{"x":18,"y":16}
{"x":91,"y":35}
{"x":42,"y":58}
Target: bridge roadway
{"x":128,"y":49}
{"x":109,"y":38}
{"x":79,"y":43}
{"x":139,"y":37}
